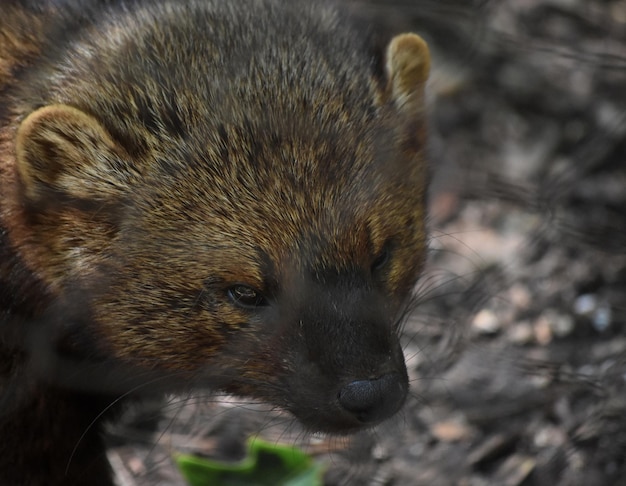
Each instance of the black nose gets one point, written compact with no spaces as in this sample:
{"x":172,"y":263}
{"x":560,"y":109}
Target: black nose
{"x":371,"y":401}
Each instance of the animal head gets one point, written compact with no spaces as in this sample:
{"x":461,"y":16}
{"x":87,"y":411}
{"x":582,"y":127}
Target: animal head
{"x":261,"y":236}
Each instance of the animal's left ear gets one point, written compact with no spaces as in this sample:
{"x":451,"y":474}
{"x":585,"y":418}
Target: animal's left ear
{"x":407,"y":69}
{"x":64,"y":154}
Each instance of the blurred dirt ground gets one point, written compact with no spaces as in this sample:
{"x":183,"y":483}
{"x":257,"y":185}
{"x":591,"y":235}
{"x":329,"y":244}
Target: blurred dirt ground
{"x":517,"y":349}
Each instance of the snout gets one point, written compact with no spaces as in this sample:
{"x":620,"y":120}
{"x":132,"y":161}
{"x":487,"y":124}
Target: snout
{"x":372,"y":401}
{"x":325,"y":404}
{"x":348,"y":370}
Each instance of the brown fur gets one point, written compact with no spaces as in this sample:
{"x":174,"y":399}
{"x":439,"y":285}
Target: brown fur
{"x":155,"y":157}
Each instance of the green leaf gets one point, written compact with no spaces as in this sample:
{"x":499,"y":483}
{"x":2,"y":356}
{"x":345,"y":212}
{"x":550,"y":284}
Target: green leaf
{"x":265,"y":465}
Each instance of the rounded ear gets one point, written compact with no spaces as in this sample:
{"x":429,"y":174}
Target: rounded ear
{"x":407,"y":69}
{"x":64,"y":153}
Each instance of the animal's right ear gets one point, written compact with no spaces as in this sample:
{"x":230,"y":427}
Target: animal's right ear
{"x":65,"y":155}
{"x":407,"y":69}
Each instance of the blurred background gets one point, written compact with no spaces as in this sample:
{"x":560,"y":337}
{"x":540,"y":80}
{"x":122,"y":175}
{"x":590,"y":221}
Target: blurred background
{"x":517,"y":349}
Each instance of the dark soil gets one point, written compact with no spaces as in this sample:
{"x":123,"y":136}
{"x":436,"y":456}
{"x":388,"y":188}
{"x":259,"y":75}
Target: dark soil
{"x":517,"y":349}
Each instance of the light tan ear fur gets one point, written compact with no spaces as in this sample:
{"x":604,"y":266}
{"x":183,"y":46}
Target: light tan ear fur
{"x":62,"y":150}
{"x":408,"y":67}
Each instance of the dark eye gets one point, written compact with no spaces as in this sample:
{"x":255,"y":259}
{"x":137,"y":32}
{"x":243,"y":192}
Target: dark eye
{"x":246,"y":297}
{"x":381,"y":259}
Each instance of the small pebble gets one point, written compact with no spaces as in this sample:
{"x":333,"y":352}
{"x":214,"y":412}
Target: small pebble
{"x":543,"y":331}
{"x":521,"y":333}
{"x":549,"y":437}
{"x":451,"y":431}
{"x":486,"y":322}
{"x":520,"y":297}
{"x":380,"y":452}
{"x":585,"y":304}
{"x":602,"y":318}
{"x":562,"y":325}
